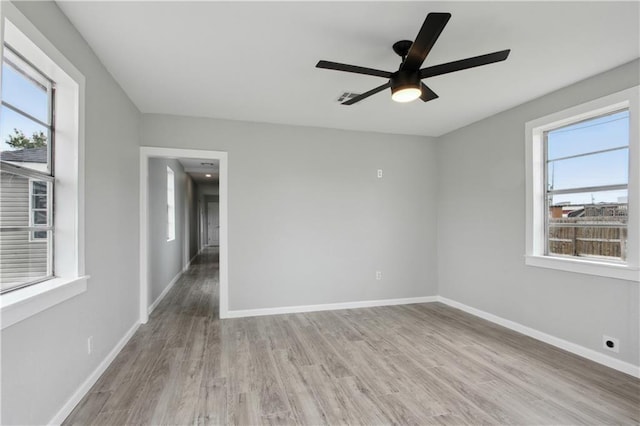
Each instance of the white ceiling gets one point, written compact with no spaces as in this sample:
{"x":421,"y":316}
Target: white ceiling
{"x":198,"y":169}
{"x":256,"y":61}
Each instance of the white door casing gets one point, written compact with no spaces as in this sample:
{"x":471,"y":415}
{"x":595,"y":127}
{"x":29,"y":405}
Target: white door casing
{"x":147,"y":152}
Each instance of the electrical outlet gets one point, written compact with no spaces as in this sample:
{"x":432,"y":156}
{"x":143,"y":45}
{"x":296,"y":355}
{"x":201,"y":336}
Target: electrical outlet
{"x":89,"y":345}
{"x":611,"y":344}
{"x":378,"y":275}
{"x":379,"y":173}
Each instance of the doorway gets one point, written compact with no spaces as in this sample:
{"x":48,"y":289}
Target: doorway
{"x":220,"y":217}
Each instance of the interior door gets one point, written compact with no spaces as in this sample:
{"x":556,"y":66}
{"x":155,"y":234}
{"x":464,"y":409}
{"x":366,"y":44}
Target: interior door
{"x":213,"y":224}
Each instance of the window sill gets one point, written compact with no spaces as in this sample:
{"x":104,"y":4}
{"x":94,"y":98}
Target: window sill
{"x":588,"y":267}
{"x":26,"y":302}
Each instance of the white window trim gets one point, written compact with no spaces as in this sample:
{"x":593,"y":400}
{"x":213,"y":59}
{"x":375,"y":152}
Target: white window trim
{"x":70,"y":280}
{"x":28,"y":301}
{"x":534,"y":166}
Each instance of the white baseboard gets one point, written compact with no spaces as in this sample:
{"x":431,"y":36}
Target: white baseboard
{"x":84,"y":388}
{"x":188,"y":265}
{"x":164,"y":292}
{"x":576,"y":349}
{"x":328,"y":307}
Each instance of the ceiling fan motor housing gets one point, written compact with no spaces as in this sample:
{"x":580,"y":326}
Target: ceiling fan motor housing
{"x":404,"y":80}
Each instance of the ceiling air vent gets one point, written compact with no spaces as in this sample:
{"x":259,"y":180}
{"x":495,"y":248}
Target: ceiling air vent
{"x":346,"y":96}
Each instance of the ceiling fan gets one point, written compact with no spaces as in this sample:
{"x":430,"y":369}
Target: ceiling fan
{"x":406,"y":83}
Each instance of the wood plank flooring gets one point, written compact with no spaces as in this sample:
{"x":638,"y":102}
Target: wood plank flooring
{"x":414,"y":364}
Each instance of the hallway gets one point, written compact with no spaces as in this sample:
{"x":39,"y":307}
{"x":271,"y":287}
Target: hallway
{"x":157,"y":377}
{"x":412,"y":364}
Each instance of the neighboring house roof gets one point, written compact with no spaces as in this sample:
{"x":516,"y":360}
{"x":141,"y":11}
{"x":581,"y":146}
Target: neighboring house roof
{"x":576,"y":213}
{"x":33,"y":155}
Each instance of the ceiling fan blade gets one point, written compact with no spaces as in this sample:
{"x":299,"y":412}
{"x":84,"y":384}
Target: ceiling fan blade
{"x":464,"y":64}
{"x":352,"y":68}
{"x":427,"y":94}
{"x":433,"y":25}
{"x":367,"y":94}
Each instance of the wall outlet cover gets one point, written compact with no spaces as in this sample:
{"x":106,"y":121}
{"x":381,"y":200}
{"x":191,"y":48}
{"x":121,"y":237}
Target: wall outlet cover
{"x":611,"y":344}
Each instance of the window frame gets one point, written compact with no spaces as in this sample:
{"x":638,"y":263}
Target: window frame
{"x":68,"y":206}
{"x":31,"y":72}
{"x":574,"y":190}
{"x":535,"y":164}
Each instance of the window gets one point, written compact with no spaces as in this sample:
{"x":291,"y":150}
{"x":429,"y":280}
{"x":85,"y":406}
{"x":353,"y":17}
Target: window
{"x":26,"y":171}
{"x":171,"y":205}
{"x":587,"y":175}
{"x":41,"y":166}
{"x":582,"y":188}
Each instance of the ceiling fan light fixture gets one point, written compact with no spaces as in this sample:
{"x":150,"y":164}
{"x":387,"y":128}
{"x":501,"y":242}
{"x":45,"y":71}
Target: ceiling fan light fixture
{"x":406,"y":94}
{"x":405,"y":87}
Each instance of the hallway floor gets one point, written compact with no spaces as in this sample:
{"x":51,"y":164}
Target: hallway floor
{"x":413,"y":364}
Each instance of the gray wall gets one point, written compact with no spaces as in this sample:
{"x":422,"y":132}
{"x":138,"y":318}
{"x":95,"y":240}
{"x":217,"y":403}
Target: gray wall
{"x":44,"y":358}
{"x":309,"y":222}
{"x":208,"y":188}
{"x":481,"y":231}
{"x":166,"y":258}
{"x":192,"y":207}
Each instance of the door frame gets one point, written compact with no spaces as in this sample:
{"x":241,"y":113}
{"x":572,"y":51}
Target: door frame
{"x":147,"y":152}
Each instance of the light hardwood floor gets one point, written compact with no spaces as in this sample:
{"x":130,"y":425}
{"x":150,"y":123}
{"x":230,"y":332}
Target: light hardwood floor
{"x":414,"y":364}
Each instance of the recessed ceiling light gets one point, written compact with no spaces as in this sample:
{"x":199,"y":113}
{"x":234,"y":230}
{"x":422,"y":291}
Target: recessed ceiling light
{"x":207,"y":175}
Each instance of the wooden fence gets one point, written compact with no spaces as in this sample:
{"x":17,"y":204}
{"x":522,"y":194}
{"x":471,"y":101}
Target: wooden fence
{"x":588,"y":236}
